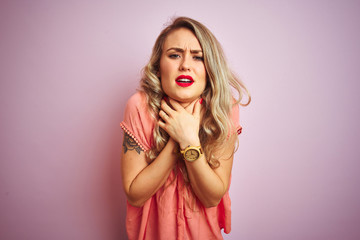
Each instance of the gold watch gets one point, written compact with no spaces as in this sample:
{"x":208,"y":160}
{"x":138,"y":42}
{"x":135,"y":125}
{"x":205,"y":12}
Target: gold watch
{"x":191,"y":153}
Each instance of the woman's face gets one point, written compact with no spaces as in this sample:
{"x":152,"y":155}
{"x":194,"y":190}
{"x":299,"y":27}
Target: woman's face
{"x":182,"y":69}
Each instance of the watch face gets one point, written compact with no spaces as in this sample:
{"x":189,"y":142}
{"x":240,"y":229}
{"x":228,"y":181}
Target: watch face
{"x":191,"y":155}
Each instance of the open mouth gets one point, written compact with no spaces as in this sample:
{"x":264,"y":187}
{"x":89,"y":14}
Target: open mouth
{"x":184,"y":81}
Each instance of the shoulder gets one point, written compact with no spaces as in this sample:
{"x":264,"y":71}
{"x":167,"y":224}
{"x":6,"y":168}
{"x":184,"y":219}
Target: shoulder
{"x":234,"y":112}
{"x":137,"y":99}
{"x":138,"y":122}
{"x":235,"y":109}
{"x":137,"y":103}
{"x":235,"y":118}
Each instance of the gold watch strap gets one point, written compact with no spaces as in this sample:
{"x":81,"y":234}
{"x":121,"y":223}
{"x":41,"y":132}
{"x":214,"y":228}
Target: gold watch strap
{"x":191,"y":147}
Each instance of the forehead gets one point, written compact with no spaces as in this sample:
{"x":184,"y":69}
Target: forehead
{"x":182,"y":38}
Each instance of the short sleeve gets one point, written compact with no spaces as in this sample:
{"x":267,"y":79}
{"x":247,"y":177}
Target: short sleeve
{"x":235,"y":120}
{"x":138,"y":122}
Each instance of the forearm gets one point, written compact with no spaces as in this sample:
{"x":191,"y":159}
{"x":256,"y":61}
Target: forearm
{"x":152,"y":177}
{"x":210,"y":184}
{"x":206,"y":184}
{"x":182,"y":124}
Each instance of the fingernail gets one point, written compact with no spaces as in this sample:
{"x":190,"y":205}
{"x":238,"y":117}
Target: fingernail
{"x":201,"y":101}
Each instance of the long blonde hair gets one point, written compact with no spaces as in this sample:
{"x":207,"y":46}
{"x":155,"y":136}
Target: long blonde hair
{"x":215,"y":126}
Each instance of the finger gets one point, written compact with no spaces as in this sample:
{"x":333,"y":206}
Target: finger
{"x":161,"y":124}
{"x":163,"y":115}
{"x":190,"y":107}
{"x":175,"y":104}
{"x":166,"y":108}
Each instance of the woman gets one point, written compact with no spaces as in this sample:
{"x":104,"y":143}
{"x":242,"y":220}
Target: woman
{"x":180,"y":135}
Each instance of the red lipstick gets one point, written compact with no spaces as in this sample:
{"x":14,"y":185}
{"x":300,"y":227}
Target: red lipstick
{"x":184,"y":81}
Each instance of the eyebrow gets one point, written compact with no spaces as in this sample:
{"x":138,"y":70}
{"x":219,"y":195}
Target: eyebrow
{"x":182,"y":50}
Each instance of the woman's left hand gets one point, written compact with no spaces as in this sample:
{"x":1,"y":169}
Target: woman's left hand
{"x":181,"y":123}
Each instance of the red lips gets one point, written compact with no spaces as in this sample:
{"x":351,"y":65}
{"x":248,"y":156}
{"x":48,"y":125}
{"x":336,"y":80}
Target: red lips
{"x":184,"y":81}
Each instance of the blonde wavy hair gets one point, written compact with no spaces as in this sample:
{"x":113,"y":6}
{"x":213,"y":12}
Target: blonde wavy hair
{"x":218,"y":98}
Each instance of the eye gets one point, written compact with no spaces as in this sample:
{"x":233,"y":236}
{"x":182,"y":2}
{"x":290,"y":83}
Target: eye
{"x":174,"y":55}
{"x":198,"y":58}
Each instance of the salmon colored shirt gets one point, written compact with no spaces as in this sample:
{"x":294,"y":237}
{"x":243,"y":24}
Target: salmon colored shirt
{"x":173,"y":212}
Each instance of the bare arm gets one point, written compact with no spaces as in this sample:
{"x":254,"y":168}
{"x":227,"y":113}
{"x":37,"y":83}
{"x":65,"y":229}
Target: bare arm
{"x":140,"y":179}
{"x":209,"y":184}
{"x":182,"y":124}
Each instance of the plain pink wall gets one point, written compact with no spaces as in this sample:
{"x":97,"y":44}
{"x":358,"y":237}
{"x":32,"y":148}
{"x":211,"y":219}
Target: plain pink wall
{"x":68,"y":67}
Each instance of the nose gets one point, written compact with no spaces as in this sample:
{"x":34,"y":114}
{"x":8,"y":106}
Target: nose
{"x":185,"y":64}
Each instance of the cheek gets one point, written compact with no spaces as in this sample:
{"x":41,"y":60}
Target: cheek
{"x":166,"y":74}
{"x":164,"y":77}
{"x":203,"y":74}
{"x":201,"y":70}
{"x":165,"y":83}
{"x":165,"y":68}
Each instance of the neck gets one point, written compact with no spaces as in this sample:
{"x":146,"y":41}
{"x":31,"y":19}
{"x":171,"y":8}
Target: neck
{"x":185,"y":104}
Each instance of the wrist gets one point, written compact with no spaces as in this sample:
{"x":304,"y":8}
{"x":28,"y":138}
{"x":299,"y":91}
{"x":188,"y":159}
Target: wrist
{"x":185,"y":144}
{"x":171,"y":143}
{"x":191,"y":153}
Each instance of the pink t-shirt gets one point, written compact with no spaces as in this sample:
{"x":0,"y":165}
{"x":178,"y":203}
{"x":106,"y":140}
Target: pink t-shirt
{"x":173,"y":212}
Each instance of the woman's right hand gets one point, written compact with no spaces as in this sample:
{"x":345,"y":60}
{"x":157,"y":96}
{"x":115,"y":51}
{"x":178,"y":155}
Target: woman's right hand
{"x":181,"y":123}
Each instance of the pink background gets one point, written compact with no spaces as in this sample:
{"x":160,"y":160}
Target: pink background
{"x":68,"y":67}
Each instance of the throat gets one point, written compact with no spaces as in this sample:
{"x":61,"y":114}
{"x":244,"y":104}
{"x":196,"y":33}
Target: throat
{"x":185,"y":104}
